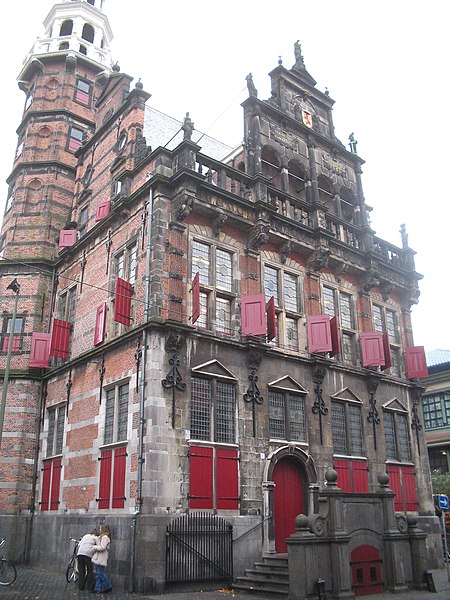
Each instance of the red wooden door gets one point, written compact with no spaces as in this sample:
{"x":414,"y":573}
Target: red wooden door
{"x":288,"y":501}
{"x":366,"y":571}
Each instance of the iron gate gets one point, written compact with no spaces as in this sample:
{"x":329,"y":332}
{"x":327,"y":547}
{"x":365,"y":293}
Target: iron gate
{"x":199,"y":547}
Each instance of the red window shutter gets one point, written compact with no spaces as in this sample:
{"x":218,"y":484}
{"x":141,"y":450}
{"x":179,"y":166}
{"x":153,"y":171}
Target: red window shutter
{"x":15,"y":344}
{"x":319,"y":333}
{"x":195,"y":297}
{"x":74,"y":144}
{"x":104,"y":487}
{"x":409,"y":488}
{"x":387,"y":351}
{"x":335,"y":340}
{"x":201,"y":477}
{"x":40,"y":349}
{"x":253,"y":315}
{"x":46,"y":478}
{"x":227,"y":479}
{"x":99,"y":333}
{"x":342,"y":468}
{"x":120,"y":463}
{"x":416,"y":364}
{"x":122,"y":303}
{"x":102,"y":210}
{"x":59,"y":345}
{"x":395,"y":484}
{"x":56,"y":483}
{"x":271,"y":319}
{"x":82,"y":97}
{"x":67,"y":237}
{"x":372,"y":349}
{"x":360,"y":476}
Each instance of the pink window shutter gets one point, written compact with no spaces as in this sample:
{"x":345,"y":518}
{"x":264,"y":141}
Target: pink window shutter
{"x":271,"y":319}
{"x":196,"y":298}
{"x":372,"y":349}
{"x":102,"y":210}
{"x":253,"y":315}
{"x":122,"y":303}
{"x":99,"y":333}
{"x":319,"y":333}
{"x":387,"y":351}
{"x":416,"y":364}
{"x":67,"y":237}
{"x":59,"y":345}
{"x":40,"y":349}
{"x":335,"y":341}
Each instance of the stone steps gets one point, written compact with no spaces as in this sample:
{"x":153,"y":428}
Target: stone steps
{"x":271,"y":576}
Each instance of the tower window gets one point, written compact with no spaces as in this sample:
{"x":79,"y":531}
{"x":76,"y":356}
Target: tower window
{"x":64,"y":46}
{"x":66,"y":28}
{"x":88,"y":33}
{"x":83,"y":92}
{"x":82,"y":49}
{"x":20,"y":146}
{"x":75,"y":138}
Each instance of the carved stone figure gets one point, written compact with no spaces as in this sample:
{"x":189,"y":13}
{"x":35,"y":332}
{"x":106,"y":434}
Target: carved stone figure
{"x":252,"y":91}
{"x":258,"y":236}
{"x":372,"y":280}
{"x":285,"y":250}
{"x":319,"y":259}
{"x":218,"y":223}
{"x":183,"y":208}
{"x":187,"y":127}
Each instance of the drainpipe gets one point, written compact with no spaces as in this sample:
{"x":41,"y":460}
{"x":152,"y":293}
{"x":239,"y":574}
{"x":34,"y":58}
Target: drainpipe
{"x":138,"y":508}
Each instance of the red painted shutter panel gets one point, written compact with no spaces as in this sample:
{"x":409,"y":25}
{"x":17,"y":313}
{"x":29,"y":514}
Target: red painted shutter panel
{"x":56,"y":482}
{"x":335,"y":341}
{"x":195,"y":297}
{"x":372,"y":349}
{"x":409,"y":488}
{"x":360,"y":476}
{"x":387,"y":351}
{"x":59,"y":345}
{"x":395,"y":484}
{"x":271,"y":319}
{"x":201,"y":477}
{"x":416,"y":364}
{"x":120,"y":463}
{"x":104,"y":487}
{"x":46,"y":477}
{"x":67,"y":237}
{"x":15,"y":344}
{"x":253,"y":315}
{"x":122,"y":303}
{"x":99,"y":333}
{"x":102,"y":210}
{"x":319,"y":333}
{"x":342,"y":468}
{"x":40,"y":349}
{"x":227,"y":479}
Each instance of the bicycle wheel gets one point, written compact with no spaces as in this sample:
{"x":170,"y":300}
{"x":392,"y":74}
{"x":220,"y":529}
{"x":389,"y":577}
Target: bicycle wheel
{"x":8,"y":572}
{"x":72,"y":570}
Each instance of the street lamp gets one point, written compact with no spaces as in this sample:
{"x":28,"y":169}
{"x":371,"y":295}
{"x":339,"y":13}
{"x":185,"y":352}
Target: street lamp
{"x":15,"y":287}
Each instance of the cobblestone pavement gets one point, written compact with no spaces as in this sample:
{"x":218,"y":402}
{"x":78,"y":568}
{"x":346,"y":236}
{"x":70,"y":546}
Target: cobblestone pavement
{"x":37,"y":584}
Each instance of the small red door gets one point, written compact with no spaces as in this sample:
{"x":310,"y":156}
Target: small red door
{"x":288,"y":500}
{"x":366,"y":571}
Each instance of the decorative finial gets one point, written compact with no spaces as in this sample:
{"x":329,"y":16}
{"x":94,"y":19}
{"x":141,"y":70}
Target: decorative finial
{"x":404,"y":235}
{"x":252,"y":91}
{"x":327,"y":92}
{"x":352,"y":143}
{"x":116,"y":67}
{"x":280,"y":61}
{"x":138,"y":84}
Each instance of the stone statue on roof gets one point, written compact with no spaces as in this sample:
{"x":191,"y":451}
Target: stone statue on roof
{"x":252,"y":91}
{"x":187,"y":127}
{"x":299,"y":62}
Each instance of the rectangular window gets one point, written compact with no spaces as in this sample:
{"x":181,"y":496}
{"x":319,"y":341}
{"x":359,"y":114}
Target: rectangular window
{"x":83,"y":92}
{"x":75,"y":138}
{"x":125,"y":263}
{"x":83,"y":217}
{"x":111,"y":488}
{"x":287,"y":420}
{"x":20,"y":145}
{"x":284,"y":288}
{"x":384,"y":320}
{"x":436,"y":410}
{"x":17,"y":335}
{"x":396,"y":435}
{"x":116,"y":414}
{"x":339,"y":304}
{"x":66,"y":306}
{"x":214,"y":478}
{"x":215,"y":269}
{"x":55,"y":433}
{"x":213,"y":410}
{"x":346,"y":422}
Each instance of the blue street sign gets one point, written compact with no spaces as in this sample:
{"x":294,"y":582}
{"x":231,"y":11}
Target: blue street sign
{"x":443,"y":502}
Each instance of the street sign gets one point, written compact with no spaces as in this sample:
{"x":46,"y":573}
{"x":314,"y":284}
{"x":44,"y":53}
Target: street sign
{"x":443,"y":502}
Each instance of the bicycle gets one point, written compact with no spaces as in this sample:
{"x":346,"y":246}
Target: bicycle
{"x":72,"y":567}
{"x":8,"y":572}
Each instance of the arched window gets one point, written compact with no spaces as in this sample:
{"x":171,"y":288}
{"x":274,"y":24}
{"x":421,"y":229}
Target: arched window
{"x":66,"y":28}
{"x":326,"y":194}
{"x":91,"y":2}
{"x":297,"y":180}
{"x":88,"y":33}
{"x":82,"y":49}
{"x":271,"y":165}
{"x":347,"y":204}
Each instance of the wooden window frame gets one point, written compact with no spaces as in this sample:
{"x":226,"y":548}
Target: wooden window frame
{"x":214,"y":425}
{"x":380,"y":325}
{"x":18,"y":334}
{"x":345,"y":332}
{"x":287,"y":396}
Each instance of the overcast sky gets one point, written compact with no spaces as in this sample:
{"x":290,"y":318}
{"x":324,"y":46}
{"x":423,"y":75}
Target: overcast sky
{"x":385,"y":64}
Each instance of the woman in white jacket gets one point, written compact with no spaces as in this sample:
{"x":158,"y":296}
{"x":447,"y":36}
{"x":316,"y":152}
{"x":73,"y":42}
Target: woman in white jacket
{"x":100,"y":560}
{"x":84,"y":556}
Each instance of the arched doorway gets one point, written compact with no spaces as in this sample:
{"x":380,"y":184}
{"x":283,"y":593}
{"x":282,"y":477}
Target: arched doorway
{"x":288,"y":501}
{"x":365,"y":562}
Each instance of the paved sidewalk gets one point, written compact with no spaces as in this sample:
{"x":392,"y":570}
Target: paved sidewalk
{"x":37,"y":584}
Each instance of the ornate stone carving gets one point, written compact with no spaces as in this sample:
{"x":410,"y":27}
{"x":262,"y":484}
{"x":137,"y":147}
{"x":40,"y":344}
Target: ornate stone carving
{"x":183,"y":207}
{"x":218,"y":223}
{"x":258,"y":236}
{"x":340,"y":269}
{"x":371,"y":280}
{"x":319,"y":259}
{"x":386,"y":290}
{"x":141,"y":150}
{"x":285,"y":250}
{"x":187,"y":127}
{"x":252,"y":91}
